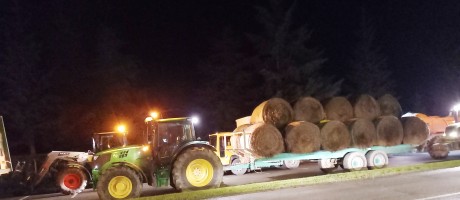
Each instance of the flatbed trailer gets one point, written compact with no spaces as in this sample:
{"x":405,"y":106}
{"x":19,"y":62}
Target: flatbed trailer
{"x":351,"y":159}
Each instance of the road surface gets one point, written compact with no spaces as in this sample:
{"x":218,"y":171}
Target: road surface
{"x":306,"y":169}
{"x":431,"y":185}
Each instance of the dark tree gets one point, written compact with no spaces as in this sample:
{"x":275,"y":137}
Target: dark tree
{"x":27,"y":100}
{"x":369,"y":71}
{"x":290,"y":67}
{"x":229,"y":86}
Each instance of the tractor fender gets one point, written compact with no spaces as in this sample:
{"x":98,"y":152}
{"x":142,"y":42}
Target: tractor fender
{"x":190,"y":145}
{"x":137,"y":169}
{"x":83,"y":168}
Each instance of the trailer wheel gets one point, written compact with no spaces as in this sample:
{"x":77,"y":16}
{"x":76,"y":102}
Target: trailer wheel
{"x":71,"y":180}
{"x":354,"y":161}
{"x":119,"y":183}
{"x":238,"y":172}
{"x":376,"y":159}
{"x":197,"y":168}
{"x":436,"y":149}
{"x":290,"y":164}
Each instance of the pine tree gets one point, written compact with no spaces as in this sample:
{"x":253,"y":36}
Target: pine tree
{"x":369,"y":71}
{"x":291,"y":69}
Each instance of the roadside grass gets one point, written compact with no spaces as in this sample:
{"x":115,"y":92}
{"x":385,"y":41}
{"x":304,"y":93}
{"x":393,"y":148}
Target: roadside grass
{"x":329,"y":178}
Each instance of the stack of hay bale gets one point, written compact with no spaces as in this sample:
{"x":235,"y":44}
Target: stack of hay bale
{"x":334,"y":124}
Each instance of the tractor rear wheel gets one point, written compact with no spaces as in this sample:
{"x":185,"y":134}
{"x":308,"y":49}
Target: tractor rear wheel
{"x":197,"y":168}
{"x":72,"y":180}
{"x":119,"y":183}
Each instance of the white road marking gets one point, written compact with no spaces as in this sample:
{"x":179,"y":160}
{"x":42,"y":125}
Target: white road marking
{"x":440,"y":196}
{"x":24,"y":198}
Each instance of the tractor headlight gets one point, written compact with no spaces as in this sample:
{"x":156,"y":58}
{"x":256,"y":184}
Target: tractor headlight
{"x":453,"y":134}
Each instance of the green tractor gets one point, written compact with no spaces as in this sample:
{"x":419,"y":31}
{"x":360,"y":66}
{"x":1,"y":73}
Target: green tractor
{"x":172,"y":156}
{"x":72,"y":170}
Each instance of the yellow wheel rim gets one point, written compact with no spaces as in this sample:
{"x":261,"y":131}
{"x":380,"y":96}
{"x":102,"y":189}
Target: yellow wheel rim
{"x":120,"y":187}
{"x":199,"y":172}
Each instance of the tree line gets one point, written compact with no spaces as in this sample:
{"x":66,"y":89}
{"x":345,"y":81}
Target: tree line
{"x":65,"y":73}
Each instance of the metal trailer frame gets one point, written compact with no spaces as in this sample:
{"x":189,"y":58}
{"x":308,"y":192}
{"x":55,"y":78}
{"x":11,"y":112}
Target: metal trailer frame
{"x":332,"y":157}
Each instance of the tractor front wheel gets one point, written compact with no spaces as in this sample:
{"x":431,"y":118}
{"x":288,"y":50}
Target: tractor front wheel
{"x":119,"y":183}
{"x":72,"y":180}
{"x":197,"y":168}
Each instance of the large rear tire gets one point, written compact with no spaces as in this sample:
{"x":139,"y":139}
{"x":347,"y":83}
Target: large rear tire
{"x":71,"y":180}
{"x":197,"y":168}
{"x":119,"y":183}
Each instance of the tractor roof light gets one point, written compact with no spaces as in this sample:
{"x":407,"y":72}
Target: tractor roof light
{"x":195,"y":120}
{"x":154,"y":115}
{"x":456,"y":108}
{"x":121,"y":128}
{"x":148,"y":119}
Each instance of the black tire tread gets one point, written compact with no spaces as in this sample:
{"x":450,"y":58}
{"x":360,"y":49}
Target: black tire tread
{"x":104,"y":179}
{"x":75,"y":170}
{"x":180,"y":165}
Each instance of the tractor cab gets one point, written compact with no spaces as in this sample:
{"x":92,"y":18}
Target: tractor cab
{"x":108,"y":140}
{"x":169,"y":132}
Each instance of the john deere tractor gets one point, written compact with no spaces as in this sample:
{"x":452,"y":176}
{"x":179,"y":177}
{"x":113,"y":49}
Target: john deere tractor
{"x":72,"y":170}
{"x":171,"y":157}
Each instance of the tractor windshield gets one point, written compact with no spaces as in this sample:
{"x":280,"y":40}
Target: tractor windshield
{"x":104,"y":141}
{"x":175,"y":132}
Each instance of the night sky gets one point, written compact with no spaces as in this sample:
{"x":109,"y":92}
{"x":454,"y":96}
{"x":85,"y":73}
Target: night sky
{"x":169,"y":41}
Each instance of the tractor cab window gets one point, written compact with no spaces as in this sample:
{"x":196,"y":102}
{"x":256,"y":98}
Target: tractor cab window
{"x":213,"y":140}
{"x":108,"y":141}
{"x":174,"y":133}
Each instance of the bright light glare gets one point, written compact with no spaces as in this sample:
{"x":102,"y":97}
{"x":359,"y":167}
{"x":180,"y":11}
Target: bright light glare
{"x":453,"y":134}
{"x":154,"y":115}
{"x":195,"y":120}
{"x":148,"y":119}
{"x":121,"y":128}
{"x":145,"y":148}
{"x":456,"y":108}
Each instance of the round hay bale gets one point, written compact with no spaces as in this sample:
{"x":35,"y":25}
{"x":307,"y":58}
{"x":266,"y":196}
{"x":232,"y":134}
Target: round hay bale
{"x":309,"y":109}
{"x":275,"y":111}
{"x":389,"y":131}
{"x":389,"y":106}
{"x":366,"y":107}
{"x":265,"y":140}
{"x":338,"y":108}
{"x":334,"y":136}
{"x":241,"y":128}
{"x":302,"y":137}
{"x":238,"y":141}
{"x":362,"y":132}
{"x":415,"y":130}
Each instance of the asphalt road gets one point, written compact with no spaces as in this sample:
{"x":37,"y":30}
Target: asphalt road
{"x":306,"y":169}
{"x":436,"y":184}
